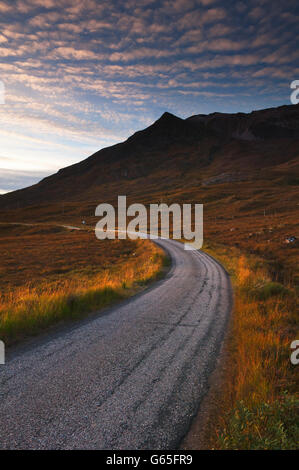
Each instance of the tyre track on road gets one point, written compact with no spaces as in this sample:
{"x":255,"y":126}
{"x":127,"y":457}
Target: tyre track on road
{"x":131,"y":377}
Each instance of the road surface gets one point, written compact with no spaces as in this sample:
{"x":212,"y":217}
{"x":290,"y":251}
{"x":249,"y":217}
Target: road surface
{"x":129,"y":378}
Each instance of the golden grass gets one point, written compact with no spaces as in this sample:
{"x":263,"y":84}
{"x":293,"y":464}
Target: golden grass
{"x":28,"y":308}
{"x":260,"y":405}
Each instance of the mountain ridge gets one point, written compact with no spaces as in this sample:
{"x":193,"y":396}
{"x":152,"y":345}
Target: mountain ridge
{"x":195,"y":149}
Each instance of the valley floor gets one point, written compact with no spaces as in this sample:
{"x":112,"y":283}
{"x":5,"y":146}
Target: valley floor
{"x":51,"y":274}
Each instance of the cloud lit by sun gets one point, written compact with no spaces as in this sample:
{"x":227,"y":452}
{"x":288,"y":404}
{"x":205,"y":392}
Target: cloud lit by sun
{"x":83,"y":75}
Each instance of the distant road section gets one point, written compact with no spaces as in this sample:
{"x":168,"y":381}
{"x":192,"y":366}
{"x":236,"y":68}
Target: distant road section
{"x":131,"y":377}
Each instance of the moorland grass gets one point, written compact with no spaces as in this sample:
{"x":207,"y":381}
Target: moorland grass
{"x":27,"y":310}
{"x":260,"y":406}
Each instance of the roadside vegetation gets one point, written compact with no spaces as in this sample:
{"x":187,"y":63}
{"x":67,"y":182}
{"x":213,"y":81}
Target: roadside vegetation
{"x":260,"y":404}
{"x":50,"y":274}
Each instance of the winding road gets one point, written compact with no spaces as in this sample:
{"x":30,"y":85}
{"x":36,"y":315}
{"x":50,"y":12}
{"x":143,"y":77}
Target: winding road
{"x":130,"y":377}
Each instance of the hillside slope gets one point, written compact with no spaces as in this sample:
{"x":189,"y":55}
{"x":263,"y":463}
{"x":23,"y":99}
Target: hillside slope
{"x":201,"y":150}
{"x":244,"y":168}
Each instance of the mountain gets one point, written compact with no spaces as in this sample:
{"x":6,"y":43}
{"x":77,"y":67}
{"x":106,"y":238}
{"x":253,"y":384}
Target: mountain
{"x":175,"y":154}
{"x":244,"y":168}
{"x":268,"y":124}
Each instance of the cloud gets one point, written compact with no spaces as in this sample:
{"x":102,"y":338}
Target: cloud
{"x":220,"y":29}
{"x":224,"y":44}
{"x":80,"y":75}
{"x":11,"y":179}
{"x":5,"y":7}
{"x":214,"y":14}
{"x":257,"y":13}
{"x":140,"y":54}
{"x":73,"y":53}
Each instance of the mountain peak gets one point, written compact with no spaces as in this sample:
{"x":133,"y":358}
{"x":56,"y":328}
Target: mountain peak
{"x":167,"y":126}
{"x":168,"y":117}
{"x":215,"y":144}
{"x":166,"y":114}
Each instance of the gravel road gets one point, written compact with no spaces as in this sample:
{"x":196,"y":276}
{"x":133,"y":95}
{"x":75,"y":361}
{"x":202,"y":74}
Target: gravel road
{"x":131,"y":377}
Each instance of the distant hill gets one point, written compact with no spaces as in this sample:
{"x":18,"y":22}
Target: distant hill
{"x":173,"y":153}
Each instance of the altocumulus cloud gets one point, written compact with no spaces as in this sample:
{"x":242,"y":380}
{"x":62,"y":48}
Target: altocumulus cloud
{"x":83,"y":75}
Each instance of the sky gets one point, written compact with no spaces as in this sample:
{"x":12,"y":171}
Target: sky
{"x":77,"y":76}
